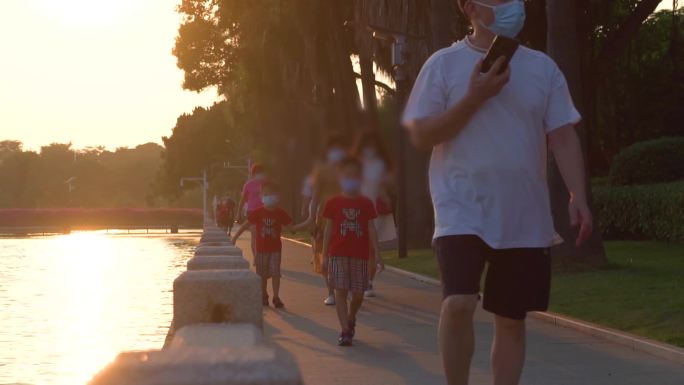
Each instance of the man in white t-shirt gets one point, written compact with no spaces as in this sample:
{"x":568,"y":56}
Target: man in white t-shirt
{"x":488,"y":134}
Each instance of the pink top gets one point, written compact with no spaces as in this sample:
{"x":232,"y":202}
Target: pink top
{"x":251,"y":193}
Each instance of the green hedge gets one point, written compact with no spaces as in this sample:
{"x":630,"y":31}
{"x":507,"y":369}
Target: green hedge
{"x":653,"y":161}
{"x":653,"y":212}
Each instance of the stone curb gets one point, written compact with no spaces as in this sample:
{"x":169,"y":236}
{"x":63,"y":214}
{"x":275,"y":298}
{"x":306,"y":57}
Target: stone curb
{"x":655,"y":348}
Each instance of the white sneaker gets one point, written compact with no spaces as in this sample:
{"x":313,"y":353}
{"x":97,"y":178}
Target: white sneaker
{"x":369,"y":293}
{"x":330,"y":300}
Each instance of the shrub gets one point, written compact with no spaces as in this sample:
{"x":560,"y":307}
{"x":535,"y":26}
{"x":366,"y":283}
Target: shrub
{"x":641,"y":212}
{"x":654,"y":161}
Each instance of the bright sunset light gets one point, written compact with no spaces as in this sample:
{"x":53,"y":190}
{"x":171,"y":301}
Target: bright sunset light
{"x":341,"y":192}
{"x":91,"y":72}
{"x":86,"y":12}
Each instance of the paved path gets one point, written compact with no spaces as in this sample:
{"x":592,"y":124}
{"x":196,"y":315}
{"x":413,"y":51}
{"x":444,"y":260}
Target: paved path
{"x":396,"y":339}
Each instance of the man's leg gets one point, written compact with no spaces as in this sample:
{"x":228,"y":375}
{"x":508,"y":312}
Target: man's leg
{"x":508,"y":350}
{"x":457,"y":337}
{"x":342,"y":311}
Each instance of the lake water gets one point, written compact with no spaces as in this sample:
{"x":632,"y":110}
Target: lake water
{"x":70,"y":303}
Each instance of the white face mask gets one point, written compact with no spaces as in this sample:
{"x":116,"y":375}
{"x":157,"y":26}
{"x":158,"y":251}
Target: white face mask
{"x":336,"y":155}
{"x":259,"y":176}
{"x":509,"y":18}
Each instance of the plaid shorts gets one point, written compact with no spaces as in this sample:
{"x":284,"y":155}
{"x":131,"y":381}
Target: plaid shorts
{"x":267,"y":264}
{"x":346,"y":273}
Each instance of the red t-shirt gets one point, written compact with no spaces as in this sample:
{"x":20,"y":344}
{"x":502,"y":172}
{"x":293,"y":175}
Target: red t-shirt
{"x":351,"y":217}
{"x":269,"y":224}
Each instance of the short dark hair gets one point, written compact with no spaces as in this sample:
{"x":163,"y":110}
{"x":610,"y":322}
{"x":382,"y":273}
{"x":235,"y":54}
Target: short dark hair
{"x":336,"y":140}
{"x":269,"y":186}
{"x":350,"y":161}
{"x":256,"y":168}
{"x":374,"y":139}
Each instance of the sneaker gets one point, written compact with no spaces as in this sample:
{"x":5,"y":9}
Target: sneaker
{"x":278,"y":303}
{"x":330,"y":300}
{"x":265,"y":301}
{"x":369,"y":293}
{"x":344,"y":340}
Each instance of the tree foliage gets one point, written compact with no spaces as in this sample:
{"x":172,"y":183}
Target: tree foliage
{"x":99,"y":178}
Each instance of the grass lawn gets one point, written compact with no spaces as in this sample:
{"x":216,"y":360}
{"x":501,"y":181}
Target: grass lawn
{"x":303,"y":236}
{"x":641,"y":291}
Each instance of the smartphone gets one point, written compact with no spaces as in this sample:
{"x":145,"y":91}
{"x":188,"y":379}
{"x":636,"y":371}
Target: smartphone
{"x":501,"y":46}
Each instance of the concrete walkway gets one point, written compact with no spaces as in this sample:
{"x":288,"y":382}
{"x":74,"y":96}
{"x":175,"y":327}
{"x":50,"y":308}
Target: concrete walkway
{"x":396,"y":339}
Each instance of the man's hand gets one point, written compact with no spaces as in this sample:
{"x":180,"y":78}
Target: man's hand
{"x":581,"y":216}
{"x":487,"y":85}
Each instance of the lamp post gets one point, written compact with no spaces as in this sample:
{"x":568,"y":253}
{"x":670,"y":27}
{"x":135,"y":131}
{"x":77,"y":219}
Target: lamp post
{"x":204,"y":182}
{"x":205,"y":186}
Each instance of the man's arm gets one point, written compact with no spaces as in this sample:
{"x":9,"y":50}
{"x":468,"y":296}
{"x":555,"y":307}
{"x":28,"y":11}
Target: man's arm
{"x":429,"y":132}
{"x":565,"y":145}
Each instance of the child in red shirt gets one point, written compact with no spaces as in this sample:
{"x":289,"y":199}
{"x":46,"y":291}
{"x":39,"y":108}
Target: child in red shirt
{"x":349,"y":235}
{"x":268,"y":222}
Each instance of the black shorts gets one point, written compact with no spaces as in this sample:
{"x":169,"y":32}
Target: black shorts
{"x":517,"y":281}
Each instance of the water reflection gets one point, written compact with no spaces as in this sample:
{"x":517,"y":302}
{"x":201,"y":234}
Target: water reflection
{"x":70,"y":303}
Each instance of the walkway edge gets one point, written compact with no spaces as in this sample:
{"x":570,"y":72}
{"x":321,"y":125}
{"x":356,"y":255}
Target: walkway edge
{"x":655,"y":348}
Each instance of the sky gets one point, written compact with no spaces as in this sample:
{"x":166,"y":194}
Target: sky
{"x":90,"y":72}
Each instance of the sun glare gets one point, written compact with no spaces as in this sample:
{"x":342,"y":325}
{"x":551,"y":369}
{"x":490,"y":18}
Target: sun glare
{"x":86,"y":12}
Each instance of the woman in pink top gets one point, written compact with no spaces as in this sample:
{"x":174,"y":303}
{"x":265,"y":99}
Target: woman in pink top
{"x":251,"y":195}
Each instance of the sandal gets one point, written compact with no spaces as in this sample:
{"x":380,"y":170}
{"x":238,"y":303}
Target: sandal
{"x":352,"y":328}
{"x":278,"y":303}
{"x":265,"y":300}
{"x":344,"y":340}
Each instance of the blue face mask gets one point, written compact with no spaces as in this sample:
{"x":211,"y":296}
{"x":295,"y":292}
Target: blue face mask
{"x":350,"y":185}
{"x":336,"y":155}
{"x":509,"y":18}
{"x":269,"y":200}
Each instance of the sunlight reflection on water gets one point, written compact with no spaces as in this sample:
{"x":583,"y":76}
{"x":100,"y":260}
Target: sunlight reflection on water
{"x":70,"y":303}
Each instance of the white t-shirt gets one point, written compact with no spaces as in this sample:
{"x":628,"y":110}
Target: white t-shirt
{"x":373,"y":175}
{"x":490,"y":180}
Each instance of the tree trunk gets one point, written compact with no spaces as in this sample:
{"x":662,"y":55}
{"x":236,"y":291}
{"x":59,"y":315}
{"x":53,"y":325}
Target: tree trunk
{"x":563,"y":47}
{"x":420,"y":214}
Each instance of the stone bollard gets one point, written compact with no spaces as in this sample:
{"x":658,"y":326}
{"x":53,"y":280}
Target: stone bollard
{"x":215,"y":244}
{"x":228,"y":296}
{"x":256,"y":365}
{"x":214,"y":234}
{"x":218,"y":336}
{"x":217,"y":262}
{"x":208,"y":239}
{"x":218,"y":250}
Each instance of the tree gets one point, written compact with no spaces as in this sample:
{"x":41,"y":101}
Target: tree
{"x":563,"y":47}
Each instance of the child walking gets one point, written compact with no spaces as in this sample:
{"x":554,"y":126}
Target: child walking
{"x":268,"y":222}
{"x":349,"y":238}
